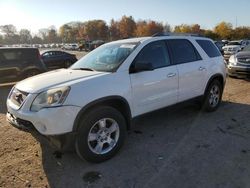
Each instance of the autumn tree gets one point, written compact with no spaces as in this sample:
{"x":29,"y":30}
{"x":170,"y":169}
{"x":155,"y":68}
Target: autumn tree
{"x":241,"y":33}
{"x":96,"y":29}
{"x":183,"y":28}
{"x":148,"y":28}
{"x":66,"y":33}
{"x":127,"y":27}
{"x":114,"y":32}
{"x":224,"y":30}
{"x":141,"y":29}
{"x":211,"y":34}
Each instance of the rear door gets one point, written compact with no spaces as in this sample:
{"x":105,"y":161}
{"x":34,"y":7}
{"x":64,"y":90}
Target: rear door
{"x":191,"y":68}
{"x":157,"y":88}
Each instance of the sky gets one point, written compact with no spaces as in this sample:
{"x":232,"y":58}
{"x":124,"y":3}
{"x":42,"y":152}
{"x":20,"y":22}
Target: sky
{"x":34,"y":14}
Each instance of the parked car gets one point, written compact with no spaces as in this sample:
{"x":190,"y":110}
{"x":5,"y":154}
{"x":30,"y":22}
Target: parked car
{"x":220,"y":45}
{"x":91,"y":104}
{"x":239,"y":64}
{"x":55,"y":59}
{"x":70,"y":47}
{"x":94,"y":44}
{"x":19,"y":63}
{"x":231,"y":48}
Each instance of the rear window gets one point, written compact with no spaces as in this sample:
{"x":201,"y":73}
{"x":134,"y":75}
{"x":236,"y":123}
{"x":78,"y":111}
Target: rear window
{"x":183,"y":51}
{"x":19,"y":54}
{"x":210,"y":49}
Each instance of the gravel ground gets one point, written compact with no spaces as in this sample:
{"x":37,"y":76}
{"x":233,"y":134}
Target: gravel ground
{"x":175,"y":147}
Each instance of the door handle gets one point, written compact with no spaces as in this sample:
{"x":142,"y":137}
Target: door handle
{"x":202,"y":68}
{"x":171,"y":75}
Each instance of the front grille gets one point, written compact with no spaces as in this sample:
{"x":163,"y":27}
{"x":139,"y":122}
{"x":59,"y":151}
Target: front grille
{"x":244,"y":60}
{"x":17,"y":97}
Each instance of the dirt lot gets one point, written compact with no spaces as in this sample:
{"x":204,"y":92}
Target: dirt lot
{"x":175,"y":147}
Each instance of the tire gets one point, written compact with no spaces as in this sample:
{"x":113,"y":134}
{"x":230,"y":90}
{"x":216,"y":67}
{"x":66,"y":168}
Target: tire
{"x":213,"y":96}
{"x":101,"y":134}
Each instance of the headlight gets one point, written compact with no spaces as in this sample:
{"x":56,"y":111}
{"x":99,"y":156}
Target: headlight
{"x":233,"y":60}
{"x":50,"y":98}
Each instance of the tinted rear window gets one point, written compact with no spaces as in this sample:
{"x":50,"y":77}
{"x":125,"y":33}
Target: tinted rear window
{"x":210,"y":49}
{"x":19,"y":54}
{"x":183,"y":51}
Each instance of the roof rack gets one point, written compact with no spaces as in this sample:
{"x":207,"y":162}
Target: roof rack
{"x":177,"y":34}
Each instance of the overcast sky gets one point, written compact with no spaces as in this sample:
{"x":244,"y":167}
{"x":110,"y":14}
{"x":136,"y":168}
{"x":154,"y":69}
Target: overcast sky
{"x":34,"y":14}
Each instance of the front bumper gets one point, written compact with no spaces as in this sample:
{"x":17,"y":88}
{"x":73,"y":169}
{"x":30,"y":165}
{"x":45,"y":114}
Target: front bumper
{"x":47,"y":121}
{"x":238,"y":71}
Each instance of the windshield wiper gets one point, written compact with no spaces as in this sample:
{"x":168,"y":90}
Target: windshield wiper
{"x":87,"y":69}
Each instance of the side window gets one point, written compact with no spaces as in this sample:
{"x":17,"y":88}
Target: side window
{"x":209,"y":48}
{"x":46,"y":54}
{"x":11,"y":54}
{"x":183,"y":51}
{"x":155,"y":53}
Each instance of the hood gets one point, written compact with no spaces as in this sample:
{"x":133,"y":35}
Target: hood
{"x":243,"y":54}
{"x":50,"y":79}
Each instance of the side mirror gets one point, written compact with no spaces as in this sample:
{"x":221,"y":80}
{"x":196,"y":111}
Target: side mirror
{"x":142,"y":66}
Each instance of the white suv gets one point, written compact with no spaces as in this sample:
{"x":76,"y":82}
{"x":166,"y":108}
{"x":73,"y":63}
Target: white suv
{"x":91,"y":104}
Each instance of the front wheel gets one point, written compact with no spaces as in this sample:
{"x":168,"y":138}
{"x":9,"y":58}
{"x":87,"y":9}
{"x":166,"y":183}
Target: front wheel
{"x":101,"y":134}
{"x":213,"y":96}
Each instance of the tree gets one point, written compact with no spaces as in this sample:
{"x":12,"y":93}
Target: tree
{"x":114,"y":32}
{"x":37,"y":40}
{"x":241,"y":33}
{"x":196,"y":28}
{"x":183,"y":28}
{"x":167,"y":28}
{"x":148,"y":28}
{"x":127,"y":27}
{"x":8,"y":30}
{"x":141,"y":29}
{"x":96,"y":29}
{"x":1,"y":40}
{"x":211,"y":34}
{"x":154,"y":27}
{"x":25,"y":36}
{"x":43,"y":33}
{"x":224,"y":30}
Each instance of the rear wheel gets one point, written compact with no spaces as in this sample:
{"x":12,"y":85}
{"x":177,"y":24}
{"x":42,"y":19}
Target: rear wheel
{"x":213,"y":96}
{"x":101,"y":134}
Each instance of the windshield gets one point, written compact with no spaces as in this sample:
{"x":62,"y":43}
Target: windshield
{"x":247,"y":48}
{"x":106,"y":58}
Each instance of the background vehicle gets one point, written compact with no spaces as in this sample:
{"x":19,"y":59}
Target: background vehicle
{"x":239,"y":64}
{"x":19,"y":63}
{"x":55,"y":59}
{"x":231,"y":48}
{"x":91,"y":104}
{"x":220,"y":45}
{"x":70,"y":47}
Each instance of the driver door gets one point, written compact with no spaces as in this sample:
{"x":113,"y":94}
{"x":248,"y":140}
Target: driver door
{"x":157,"y":88}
